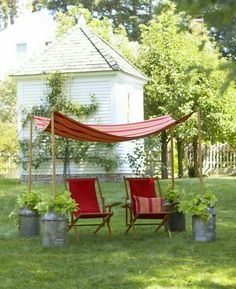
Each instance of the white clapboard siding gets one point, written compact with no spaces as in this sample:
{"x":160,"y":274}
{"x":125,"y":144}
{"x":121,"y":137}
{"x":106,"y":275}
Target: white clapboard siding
{"x":127,"y":108}
{"x":81,"y":89}
{"x":29,"y":94}
{"x":120,"y":100}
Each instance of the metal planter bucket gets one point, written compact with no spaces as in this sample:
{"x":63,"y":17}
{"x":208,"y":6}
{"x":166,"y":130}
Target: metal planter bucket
{"x":29,"y":223}
{"x":204,"y":231}
{"x":54,"y":230}
{"x":177,"y":222}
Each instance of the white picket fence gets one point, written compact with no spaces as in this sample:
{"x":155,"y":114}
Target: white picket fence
{"x":217,"y":159}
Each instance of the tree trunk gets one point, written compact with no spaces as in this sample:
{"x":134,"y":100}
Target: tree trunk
{"x":180,"y":150}
{"x":164,"y":171}
{"x":150,"y":9}
{"x":195,"y":158}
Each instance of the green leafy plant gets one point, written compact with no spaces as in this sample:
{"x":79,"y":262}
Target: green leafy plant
{"x":60,"y":203}
{"x":173,"y":197}
{"x":199,"y":204}
{"x":29,"y":200}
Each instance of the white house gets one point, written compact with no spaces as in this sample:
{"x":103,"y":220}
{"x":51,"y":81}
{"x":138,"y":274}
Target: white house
{"x":27,"y":36}
{"x":93,"y":67}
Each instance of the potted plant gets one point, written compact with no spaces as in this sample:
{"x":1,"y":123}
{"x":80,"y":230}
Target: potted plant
{"x":202,"y":208}
{"x":173,"y":197}
{"x":29,"y":218}
{"x":55,"y":218}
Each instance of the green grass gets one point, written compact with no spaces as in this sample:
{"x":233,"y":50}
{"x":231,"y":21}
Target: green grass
{"x":152,"y":261}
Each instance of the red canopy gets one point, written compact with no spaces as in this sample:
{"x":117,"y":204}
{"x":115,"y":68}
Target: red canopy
{"x":70,"y":128}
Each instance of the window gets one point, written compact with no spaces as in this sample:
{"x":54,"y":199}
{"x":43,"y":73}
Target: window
{"x":21,"y":50}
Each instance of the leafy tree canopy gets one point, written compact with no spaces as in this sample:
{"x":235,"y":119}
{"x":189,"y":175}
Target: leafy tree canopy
{"x":8,"y":120}
{"x":186,"y":73}
{"x":129,"y":13}
{"x":8,"y":12}
{"x":215,"y":12}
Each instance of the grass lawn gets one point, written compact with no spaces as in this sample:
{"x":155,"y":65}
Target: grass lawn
{"x":152,"y":261}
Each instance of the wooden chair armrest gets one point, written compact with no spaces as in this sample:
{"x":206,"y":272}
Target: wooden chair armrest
{"x":126,"y":205}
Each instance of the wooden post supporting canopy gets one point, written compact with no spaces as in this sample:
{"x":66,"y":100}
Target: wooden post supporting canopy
{"x":53,"y":154}
{"x":30,"y":155}
{"x":200,"y":152}
{"x":172,"y":159}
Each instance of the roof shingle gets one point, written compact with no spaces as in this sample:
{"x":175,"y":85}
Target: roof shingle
{"x":80,"y":50}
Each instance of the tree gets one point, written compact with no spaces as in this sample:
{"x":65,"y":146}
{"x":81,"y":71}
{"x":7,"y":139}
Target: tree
{"x":226,"y":39}
{"x":215,"y":12}
{"x":8,"y":121}
{"x":185,"y":71}
{"x":219,"y":16}
{"x":8,"y":12}
{"x":129,"y":13}
{"x":66,"y":150}
{"x":8,"y":101}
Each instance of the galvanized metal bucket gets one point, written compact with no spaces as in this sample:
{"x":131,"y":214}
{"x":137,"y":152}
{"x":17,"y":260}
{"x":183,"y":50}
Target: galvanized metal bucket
{"x":204,"y":231}
{"x":54,"y":230}
{"x":29,"y":223}
{"x":177,"y":222}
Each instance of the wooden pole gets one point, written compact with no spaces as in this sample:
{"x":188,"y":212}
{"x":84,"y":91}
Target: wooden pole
{"x":200,"y":152}
{"x":30,"y":155}
{"x":172,"y":160}
{"x":53,"y":154}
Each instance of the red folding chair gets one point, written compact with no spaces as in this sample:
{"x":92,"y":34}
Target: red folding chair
{"x":84,"y":192}
{"x":143,"y":203}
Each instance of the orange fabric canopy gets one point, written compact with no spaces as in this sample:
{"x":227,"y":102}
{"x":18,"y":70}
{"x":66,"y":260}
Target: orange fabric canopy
{"x":70,"y":128}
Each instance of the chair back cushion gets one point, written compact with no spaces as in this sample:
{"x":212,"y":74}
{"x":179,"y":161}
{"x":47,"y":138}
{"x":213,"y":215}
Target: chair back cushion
{"x":147,"y":205}
{"x":83,"y":191}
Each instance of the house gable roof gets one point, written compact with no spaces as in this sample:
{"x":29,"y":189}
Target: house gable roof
{"x":80,"y":50}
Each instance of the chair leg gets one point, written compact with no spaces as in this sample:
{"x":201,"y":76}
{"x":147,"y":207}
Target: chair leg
{"x":164,"y":221}
{"x":102,"y":224}
{"x":131,"y":225}
{"x":128,"y":225}
{"x":109,"y":227}
{"x":168,"y":229}
{"x":76,"y":233}
{"x":133,"y":229}
{"x":73,"y":224}
{"x":126,"y":217}
{"x":159,"y":226}
{"x":127,"y":230}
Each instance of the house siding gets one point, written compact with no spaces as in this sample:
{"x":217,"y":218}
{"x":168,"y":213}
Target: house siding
{"x":127,"y":108}
{"x":115,"y":94}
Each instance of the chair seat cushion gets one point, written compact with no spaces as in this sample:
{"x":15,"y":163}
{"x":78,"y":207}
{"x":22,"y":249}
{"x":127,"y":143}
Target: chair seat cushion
{"x":147,"y":205}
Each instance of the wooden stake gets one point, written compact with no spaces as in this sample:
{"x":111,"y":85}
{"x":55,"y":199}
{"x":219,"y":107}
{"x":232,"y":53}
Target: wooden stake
{"x":200,"y":152}
{"x":172,"y":159}
{"x":30,"y":155}
{"x":53,"y":154}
